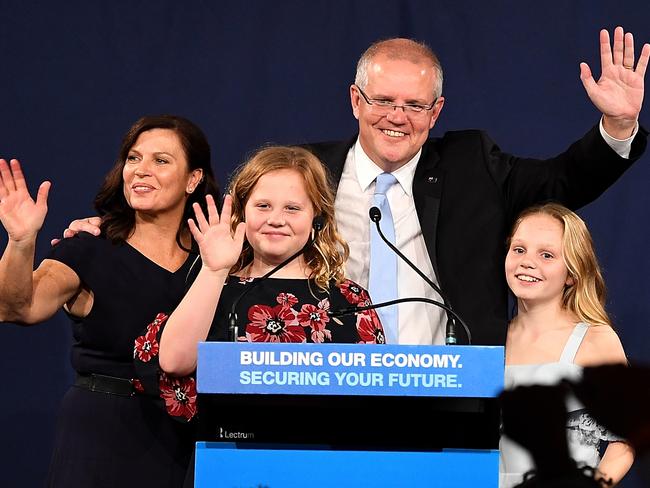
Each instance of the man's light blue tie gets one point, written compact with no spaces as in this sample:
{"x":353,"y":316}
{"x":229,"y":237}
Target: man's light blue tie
{"x":382,"y":282}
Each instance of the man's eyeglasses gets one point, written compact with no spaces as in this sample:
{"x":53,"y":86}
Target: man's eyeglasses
{"x":384,"y":107}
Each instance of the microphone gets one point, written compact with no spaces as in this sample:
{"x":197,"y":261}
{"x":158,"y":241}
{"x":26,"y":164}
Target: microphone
{"x":450,"y":333}
{"x":233,"y":331}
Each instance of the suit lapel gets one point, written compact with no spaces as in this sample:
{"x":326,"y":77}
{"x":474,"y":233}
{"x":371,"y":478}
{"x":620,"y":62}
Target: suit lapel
{"x":427,"y":192}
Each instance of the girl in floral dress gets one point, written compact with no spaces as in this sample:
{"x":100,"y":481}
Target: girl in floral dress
{"x":561,"y":327}
{"x":267,"y":217}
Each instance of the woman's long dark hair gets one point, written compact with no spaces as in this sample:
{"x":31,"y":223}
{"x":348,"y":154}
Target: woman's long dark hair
{"x":118,"y":218}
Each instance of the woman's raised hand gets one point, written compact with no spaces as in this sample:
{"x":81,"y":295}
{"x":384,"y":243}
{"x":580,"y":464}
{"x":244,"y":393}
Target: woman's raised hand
{"x":21,"y":216}
{"x":220,"y":248}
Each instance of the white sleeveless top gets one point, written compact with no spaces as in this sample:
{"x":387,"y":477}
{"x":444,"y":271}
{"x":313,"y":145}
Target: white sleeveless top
{"x":583,"y":434}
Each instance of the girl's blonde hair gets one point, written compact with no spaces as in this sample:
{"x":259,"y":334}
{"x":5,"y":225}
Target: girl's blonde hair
{"x":585,"y":297}
{"x":329,"y":252}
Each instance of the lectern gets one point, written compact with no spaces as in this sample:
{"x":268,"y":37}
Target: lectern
{"x":285,"y":415}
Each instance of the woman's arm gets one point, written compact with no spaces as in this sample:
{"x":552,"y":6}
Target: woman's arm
{"x":28,"y":296}
{"x":38,"y":297}
{"x":190,"y":323}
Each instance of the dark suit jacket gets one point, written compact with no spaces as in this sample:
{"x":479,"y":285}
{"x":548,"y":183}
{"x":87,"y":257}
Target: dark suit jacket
{"x":467,"y":194}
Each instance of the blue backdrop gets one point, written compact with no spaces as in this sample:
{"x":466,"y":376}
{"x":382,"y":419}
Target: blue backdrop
{"x":76,"y":74}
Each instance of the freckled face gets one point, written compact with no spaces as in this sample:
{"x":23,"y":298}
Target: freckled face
{"x":156,"y":173}
{"x":535,"y":267}
{"x":279,"y":216}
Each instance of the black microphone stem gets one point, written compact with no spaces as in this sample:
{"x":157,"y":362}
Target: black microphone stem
{"x":351,"y":310}
{"x":450,"y":332}
{"x":413,"y":267}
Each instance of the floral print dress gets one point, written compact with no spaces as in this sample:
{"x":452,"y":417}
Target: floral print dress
{"x":275,"y":310}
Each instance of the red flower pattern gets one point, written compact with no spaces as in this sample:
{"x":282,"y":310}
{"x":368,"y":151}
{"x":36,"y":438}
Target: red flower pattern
{"x":137,"y":385}
{"x":146,"y":347}
{"x":154,"y":326}
{"x":281,"y":323}
{"x":273,"y":324}
{"x":287,"y":299}
{"x":369,"y":328}
{"x":319,"y":336}
{"x":179,"y":395}
{"x":315,"y":318}
{"x":324,"y":304}
{"x":353,"y":293}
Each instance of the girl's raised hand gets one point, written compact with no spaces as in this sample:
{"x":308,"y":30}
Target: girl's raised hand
{"x":220,"y":248}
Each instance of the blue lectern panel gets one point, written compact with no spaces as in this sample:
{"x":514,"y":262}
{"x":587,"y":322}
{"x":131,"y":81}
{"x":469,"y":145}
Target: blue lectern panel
{"x":448,"y":394}
{"x":350,"y":369}
{"x":223,"y":465}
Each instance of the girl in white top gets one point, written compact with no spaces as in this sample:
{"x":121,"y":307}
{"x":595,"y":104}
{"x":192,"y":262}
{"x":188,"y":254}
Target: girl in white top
{"x":561,"y":326}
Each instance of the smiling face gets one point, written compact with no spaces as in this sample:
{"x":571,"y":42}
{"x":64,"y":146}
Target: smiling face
{"x":392,"y":140}
{"x":535,"y":267}
{"x":278,"y":216}
{"x":156,"y":175}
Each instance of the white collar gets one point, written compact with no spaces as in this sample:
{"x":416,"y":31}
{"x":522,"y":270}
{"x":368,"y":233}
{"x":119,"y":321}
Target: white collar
{"x":367,"y":170}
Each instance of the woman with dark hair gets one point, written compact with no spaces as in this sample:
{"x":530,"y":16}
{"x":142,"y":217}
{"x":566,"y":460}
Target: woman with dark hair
{"x":107,"y":433}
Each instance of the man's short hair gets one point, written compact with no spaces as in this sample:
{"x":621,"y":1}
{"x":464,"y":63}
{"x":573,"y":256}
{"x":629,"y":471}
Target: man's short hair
{"x":404,"y":49}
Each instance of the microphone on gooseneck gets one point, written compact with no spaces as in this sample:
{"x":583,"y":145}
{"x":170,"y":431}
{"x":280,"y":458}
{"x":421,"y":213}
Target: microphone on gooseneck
{"x":233,"y":330}
{"x":450,"y":333}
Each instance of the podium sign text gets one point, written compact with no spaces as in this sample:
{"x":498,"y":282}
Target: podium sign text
{"x":350,"y":369}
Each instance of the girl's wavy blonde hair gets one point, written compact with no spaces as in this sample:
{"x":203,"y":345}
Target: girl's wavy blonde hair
{"x":327,"y":256}
{"x":586,"y":296}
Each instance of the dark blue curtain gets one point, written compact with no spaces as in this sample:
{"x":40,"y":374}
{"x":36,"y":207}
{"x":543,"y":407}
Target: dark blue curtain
{"x":76,"y":74}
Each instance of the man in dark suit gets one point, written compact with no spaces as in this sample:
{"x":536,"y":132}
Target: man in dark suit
{"x":455,"y":196}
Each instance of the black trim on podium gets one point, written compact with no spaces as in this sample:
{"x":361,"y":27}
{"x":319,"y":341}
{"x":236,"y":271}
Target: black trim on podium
{"x":351,"y":422}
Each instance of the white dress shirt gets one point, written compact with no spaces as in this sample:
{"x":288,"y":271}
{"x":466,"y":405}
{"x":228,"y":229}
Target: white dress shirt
{"x":621,"y":146}
{"x":419,"y":323}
